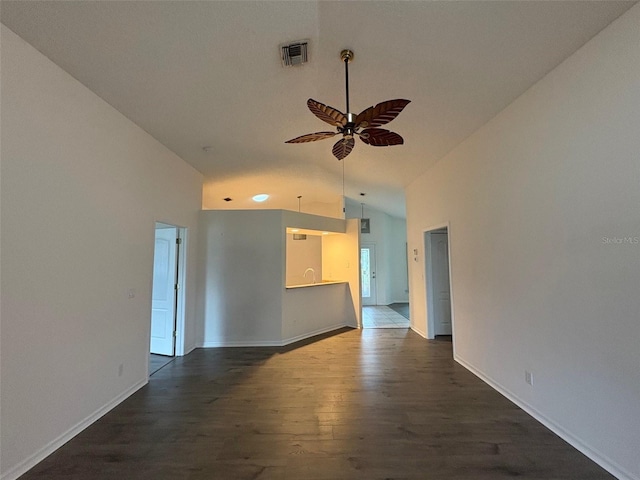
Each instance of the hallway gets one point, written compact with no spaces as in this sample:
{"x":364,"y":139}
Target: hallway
{"x":355,"y":404}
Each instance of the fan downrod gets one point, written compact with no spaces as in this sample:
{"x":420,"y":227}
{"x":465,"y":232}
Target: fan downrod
{"x":346,"y":55}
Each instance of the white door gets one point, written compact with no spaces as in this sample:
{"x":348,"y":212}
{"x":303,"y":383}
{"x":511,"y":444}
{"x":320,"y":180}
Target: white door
{"x":368,"y":273}
{"x":441,"y":290}
{"x":164,"y":294}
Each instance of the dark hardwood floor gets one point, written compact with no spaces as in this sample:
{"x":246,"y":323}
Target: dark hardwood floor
{"x":359,"y":404}
{"x":156,"y":362}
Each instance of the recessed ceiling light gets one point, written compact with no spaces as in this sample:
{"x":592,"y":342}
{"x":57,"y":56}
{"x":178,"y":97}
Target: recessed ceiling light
{"x":294,"y":230}
{"x":325,"y":233}
{"x":261,"y":197}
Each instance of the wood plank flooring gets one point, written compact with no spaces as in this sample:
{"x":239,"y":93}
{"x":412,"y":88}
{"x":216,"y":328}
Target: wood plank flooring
{"x":156,"y":362}
{"x":359,"y":404}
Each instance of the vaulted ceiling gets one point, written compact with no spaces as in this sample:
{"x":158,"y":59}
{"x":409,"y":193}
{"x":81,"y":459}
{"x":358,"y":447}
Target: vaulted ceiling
{"x":208,"y":73}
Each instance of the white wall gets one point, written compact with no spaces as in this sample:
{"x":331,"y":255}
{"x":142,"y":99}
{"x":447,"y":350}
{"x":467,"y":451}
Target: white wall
{"x":398,"y":286}
{"x":531,"y":199}
{"x":242,"y":297}
{"x":303,"y":254}
{"x":242,"y":276}
{"x":389,"y":234}
{"x":331,"y":206}
{"x":82,"y":188}
{"x":341,"y":261}
{"x":309,"y":311}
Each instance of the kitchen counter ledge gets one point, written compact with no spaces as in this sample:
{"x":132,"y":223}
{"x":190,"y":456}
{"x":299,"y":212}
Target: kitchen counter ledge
{"x":318,"y":284}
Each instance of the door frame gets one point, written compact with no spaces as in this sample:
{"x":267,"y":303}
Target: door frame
{"x":428,"y":276}
{"x":370,"y":245}
{"x":180,"y":304}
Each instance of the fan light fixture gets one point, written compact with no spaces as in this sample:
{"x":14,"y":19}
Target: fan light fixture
{"x":365,"y":124}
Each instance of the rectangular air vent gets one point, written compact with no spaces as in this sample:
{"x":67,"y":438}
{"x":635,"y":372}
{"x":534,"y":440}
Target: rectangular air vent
{"x":294,"y":53}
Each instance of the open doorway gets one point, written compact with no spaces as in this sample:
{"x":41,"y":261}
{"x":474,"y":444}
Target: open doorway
{"x":374,"y":315}
{"x":167,"y":309}
{"x":438,"y":284}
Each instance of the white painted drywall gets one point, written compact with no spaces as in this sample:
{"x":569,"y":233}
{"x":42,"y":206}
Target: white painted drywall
{"x":313,"y":310}
{"x":242,"y":258}
{"x":341,"y":261}
{"x":397,"y":258}
{"x":389,"y":234}
{"x":309,"y":311}
{"x":242,"y":296}
{"x":312,"y":222}
{"x":82,"y":188}
{"x":303,"y":254}
{"x":534,"y":200}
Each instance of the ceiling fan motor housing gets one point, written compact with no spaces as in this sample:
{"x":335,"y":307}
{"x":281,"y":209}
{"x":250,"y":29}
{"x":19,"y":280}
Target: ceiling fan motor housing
{"x":350,"y":128}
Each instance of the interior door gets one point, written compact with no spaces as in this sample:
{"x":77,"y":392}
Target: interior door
{"x":441,"y":289}
{"x":164,"y":294}
{"x":368,"y":274}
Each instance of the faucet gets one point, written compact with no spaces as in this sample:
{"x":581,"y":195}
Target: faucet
{"x":313,"y":273}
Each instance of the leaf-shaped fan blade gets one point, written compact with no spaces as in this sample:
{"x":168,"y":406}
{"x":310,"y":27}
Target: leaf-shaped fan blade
{"x":343,"y":147}
{"x":379,"y":137}
{"x":327,"y":114}
{"x":381,"y":114}
{"x":312,"y":137}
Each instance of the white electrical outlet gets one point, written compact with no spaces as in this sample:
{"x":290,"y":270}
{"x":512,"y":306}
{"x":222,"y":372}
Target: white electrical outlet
{"x":528,"y":377}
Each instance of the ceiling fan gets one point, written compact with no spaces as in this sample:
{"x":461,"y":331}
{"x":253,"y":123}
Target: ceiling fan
{"x":365,"y":124}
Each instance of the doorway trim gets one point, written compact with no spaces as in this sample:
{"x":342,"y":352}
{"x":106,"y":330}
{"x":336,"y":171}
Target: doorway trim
{"x":428,"y":276}
{"x":180,"y":304}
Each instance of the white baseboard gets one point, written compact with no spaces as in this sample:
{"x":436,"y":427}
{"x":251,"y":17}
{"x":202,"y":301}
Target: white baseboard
{"x":319,"y":331}
{"x":241,"y":343}
{"x":271,"y":343}
{"x":189,"y":349}
{"x":31,"y":461}
{"x":609,"y":465}
{"x":418,"y":331}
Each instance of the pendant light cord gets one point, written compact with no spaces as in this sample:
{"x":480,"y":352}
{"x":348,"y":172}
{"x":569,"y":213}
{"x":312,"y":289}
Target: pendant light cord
{"x":344,"y":206}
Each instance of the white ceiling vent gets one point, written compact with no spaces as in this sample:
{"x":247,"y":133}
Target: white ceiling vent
{"x":294,"y":53}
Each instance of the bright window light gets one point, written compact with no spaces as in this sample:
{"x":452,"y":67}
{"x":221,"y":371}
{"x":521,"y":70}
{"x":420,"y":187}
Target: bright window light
{"x":261,"y":197}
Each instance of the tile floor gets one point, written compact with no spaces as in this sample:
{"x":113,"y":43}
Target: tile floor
{"x":382,"y":317}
